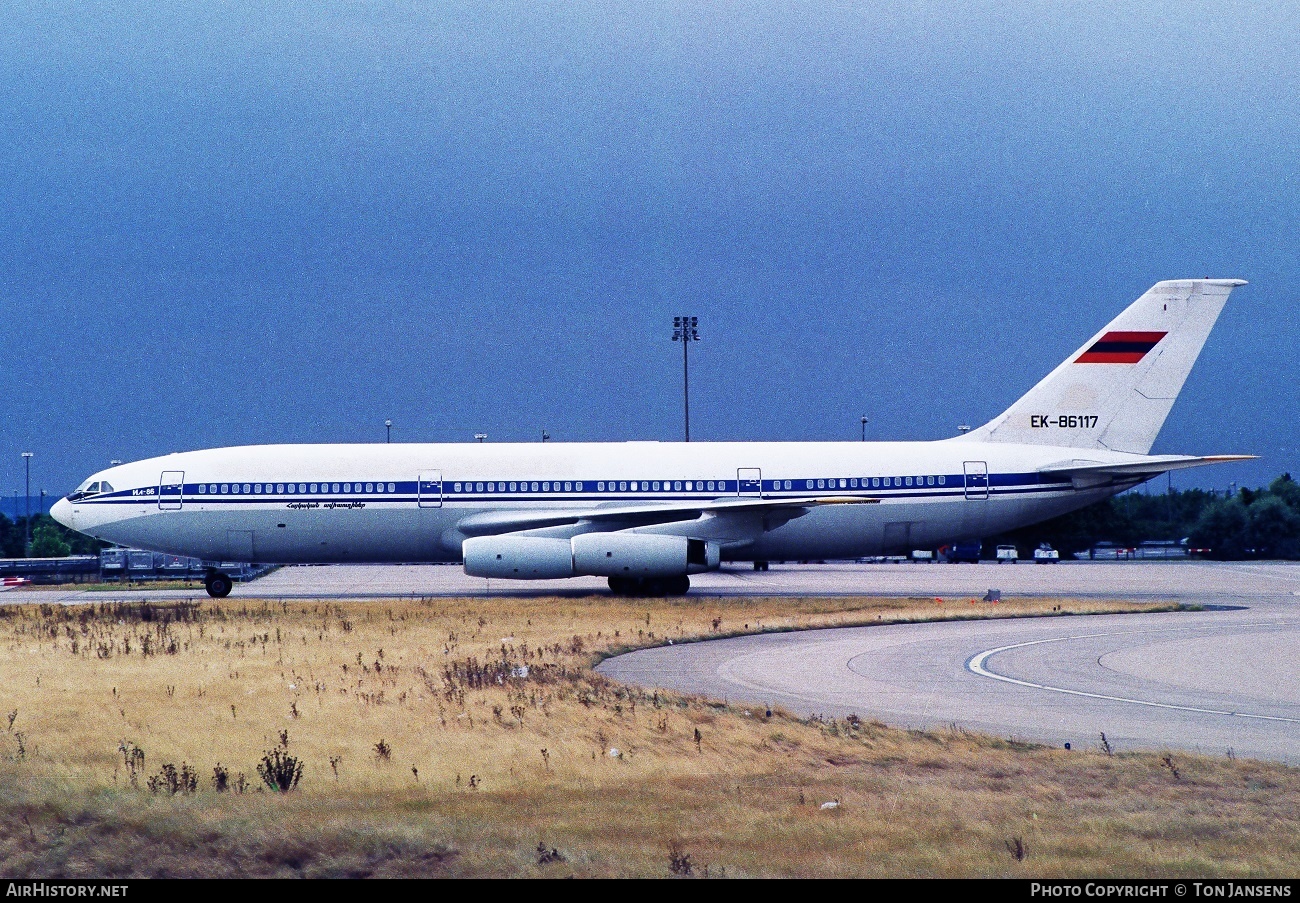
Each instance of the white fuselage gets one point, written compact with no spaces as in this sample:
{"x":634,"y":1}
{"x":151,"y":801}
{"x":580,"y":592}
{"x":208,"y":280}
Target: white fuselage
{"x":418,"y":502}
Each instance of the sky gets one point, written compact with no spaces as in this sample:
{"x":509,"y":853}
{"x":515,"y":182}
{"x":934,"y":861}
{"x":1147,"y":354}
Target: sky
{"x":238,"y":223}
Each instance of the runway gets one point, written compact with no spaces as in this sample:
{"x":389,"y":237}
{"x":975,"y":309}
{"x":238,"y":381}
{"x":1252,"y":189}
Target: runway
{"x":1209,"y":681}
{"x":1202,"y":581}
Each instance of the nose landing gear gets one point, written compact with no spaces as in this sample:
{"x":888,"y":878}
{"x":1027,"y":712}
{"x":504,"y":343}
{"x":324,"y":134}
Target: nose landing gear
{"x":218,"y":584}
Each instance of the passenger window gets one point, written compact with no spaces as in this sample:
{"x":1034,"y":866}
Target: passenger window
{"x":491,"y":487}
{"x":225,"y":488}
{"x":690,"y":486}
{"x":247,"y":488}
{"x":787,"y":484}
{"x":279,"y":488}
{"x":600,"y":486}
{"x":853,"y":484}
{"x":821,"y":484}
{"x":514,"y":486}
{"x":478,"y":487}
{"x":908,"y":481}
{"x":677,"y":485}
{"x":942,"y":480}
{"x":534,"y":487}
{"x":807,"y":484}
{"x":929,"y":481}
{"x":370,"y":487}
{"x":203,"y":488}
{"x":655,"y":485}
{"x":578,"y":486}
{"x":392,"y":487}
{"x":302,"y":487}
{"x":622,"y":487}
{"x":455,"y":487}
{"x":334,"y":487}
{"x":234,"y":489}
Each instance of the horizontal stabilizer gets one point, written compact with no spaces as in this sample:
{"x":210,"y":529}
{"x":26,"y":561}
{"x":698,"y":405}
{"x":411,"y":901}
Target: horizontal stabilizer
{"x":1092,"y":473}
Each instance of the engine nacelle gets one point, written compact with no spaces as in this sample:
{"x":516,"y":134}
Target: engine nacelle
{"x":642,"y":555}
{"x":634,"y":555}
{"x":518,"y":557}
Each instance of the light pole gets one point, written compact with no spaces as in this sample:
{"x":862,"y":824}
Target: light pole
{"x":864,"y":427}
{"x":27,"y":524}
{"x":388,"y":425}
{"x":546,"y":436}
{"x":964,"y":428}
{"x":480,"y":437}
{"x":684,"y":331}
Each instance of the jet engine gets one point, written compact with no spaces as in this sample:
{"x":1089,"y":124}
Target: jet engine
{"x":632,"y":556}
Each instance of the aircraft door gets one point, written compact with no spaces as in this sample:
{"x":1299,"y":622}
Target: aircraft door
{"x":749,"y":482}
{"x":170,"y":486}
{"x":977,"y":479}
{"x":430,"y":489}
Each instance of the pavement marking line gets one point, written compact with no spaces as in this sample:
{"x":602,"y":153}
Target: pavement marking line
{"x":975,"y":664}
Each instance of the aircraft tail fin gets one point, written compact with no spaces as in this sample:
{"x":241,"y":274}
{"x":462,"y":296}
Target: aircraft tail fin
{"x":1117,"y":389}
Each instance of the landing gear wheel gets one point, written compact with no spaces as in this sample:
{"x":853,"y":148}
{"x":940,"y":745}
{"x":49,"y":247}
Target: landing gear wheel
{"x":218,"y":584}
{"x":677,"y":586}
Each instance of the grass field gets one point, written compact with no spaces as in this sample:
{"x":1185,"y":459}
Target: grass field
{"x":466,"y":737}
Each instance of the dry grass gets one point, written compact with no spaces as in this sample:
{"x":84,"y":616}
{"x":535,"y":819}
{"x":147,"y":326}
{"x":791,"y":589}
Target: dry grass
{"x":470,"y":737}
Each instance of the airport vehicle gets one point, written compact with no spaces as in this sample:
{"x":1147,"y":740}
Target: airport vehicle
{"x":967,"y":551}
{"x":1045,"y":554}
{"x":646,"y":515}
{"x":1008,"y":553}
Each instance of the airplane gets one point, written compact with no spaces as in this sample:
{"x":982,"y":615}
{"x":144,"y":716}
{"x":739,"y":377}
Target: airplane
{"x":647,"y":515}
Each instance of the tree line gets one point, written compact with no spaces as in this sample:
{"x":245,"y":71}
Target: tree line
{"x":50,"y":539}
{"x":1253,"y":523}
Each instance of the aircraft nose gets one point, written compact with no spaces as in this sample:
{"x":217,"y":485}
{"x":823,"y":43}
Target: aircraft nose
{"x":62,"y":512}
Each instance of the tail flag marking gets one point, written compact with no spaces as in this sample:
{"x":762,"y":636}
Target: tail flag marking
{"x":1120,"y":348}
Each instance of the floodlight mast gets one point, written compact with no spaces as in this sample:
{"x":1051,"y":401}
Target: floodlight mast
{"x":27,"y":523}
{"x":684,"y":331}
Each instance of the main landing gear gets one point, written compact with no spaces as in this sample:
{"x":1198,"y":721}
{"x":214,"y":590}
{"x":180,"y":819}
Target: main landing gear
{"x":650,"y":586}
{"x":218,"y":584}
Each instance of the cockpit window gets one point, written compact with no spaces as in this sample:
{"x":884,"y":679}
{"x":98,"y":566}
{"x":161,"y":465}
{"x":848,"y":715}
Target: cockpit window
{"x":91,"y":487}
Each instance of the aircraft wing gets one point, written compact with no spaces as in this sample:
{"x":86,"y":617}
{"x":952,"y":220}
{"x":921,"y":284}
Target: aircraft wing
{"x":723,"y":520}
{"x":1085,"y":474}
